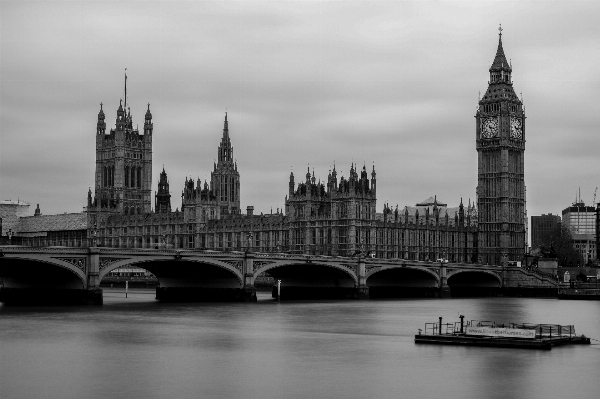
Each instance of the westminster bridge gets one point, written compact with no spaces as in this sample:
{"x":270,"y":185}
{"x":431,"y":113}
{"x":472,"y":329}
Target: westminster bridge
{"x":73,"y":275}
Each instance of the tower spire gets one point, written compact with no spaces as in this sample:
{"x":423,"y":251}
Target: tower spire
{"x":500,"y":62}
{"x":125,"y":87}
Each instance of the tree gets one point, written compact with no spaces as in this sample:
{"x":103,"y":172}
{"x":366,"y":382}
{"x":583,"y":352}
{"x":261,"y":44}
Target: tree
{"x":558,"y":243}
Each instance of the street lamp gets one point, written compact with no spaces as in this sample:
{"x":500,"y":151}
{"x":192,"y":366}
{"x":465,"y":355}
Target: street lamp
{"x":250,"y":236}
{"x":94,"y":235}
{"x":442,"y":261}
{"x":9,"y":234}
{"x":444,"y":290}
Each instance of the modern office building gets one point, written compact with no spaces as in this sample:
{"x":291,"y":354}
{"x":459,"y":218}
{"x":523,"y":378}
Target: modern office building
{"x":541,"y":226}
{"x":581,"y":221}
{"x":597,"y":230}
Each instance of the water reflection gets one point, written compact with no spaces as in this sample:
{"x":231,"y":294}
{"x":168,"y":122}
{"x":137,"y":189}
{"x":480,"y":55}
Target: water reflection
{"x":140,"y":348}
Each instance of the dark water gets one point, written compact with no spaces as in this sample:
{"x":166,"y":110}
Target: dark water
{"x":138,"y":348}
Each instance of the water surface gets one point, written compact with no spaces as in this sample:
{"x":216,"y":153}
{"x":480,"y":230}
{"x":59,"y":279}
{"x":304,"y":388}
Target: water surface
{"x":140,"y":348}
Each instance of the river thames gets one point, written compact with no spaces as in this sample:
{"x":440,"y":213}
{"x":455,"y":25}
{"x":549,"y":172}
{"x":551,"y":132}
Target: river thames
{"x":140,"y":348}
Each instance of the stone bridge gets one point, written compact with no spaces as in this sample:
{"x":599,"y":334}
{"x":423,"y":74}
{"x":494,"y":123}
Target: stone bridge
{"x":73,"y":275}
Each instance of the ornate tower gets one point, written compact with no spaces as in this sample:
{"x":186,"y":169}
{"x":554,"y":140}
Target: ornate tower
{"x":225,"y":178}
{"x":162,"y":199}
{"x":500,"y":142}
{"x":123,"y":164}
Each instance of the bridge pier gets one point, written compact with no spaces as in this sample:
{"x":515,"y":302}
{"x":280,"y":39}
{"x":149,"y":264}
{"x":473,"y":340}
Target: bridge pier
{"x":444,"y":287}
{"x":93,"y":295}
{"x":248,"y":289}
{"x":32,"y":296}
{"x":362,"y":291}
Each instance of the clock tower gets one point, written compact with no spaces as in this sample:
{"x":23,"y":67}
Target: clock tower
{"x":500,"y":143}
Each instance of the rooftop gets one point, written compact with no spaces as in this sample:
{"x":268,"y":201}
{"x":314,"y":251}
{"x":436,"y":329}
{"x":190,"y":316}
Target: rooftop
{"x":61,"y":222}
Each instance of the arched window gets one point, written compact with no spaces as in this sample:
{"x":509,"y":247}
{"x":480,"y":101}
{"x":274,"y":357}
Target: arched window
{"x":125,"y":210}
{"x":132,"y":177}
{"x":126,"y":176}
{"x":112,"y":176}
{"x":139,"y":177}
{"x":104,"y":177}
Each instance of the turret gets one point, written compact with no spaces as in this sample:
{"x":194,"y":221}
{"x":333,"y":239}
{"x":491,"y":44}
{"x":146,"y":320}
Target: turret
{"x":461,"y":213}
{"x":101,"y":125}
{"x":120,"y":120}
{"x":373,"y":181}
{"x":148,"y":122}
{"x":162,"y":202}
{"x":292,"y":185}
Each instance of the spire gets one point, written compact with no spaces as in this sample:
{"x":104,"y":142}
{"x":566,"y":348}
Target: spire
{"x":148,"y":116}
{"x":500,"y":62}
{"x":225,"y":127}
{"x":225,"y":152}
{"x":101,"y":113}
{"x":125,"y":87}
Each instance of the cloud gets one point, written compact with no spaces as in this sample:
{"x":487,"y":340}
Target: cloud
{"x":389,"y":83}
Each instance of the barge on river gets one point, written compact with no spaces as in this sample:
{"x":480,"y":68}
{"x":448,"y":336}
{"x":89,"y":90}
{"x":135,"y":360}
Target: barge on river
{"x":488,"y":333}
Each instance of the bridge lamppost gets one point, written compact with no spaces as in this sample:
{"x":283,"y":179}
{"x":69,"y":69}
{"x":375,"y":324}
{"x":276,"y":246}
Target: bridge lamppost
{"x":444,"y":288}
{"x":250,"y":236}
{"x":9,"y":234}
{"x":504,"y":263}
{"x":94,"y":237}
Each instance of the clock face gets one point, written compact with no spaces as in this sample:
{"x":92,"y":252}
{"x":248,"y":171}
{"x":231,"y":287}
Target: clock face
{"x":489,"y":127}
{"x":516,"y":129}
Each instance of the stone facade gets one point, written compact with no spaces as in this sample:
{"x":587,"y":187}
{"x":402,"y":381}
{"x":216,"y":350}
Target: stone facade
{"x":10,"y":212}
{"x":336,"y":217}
{"x":500,"y":142}
{"x":123,"y":176}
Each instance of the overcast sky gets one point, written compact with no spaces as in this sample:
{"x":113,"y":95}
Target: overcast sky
{"x":390,"y":83}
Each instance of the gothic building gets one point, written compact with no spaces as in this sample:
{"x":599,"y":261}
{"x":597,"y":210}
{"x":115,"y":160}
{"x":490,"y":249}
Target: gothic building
{"x":500,"y":143}
{"x":323,"y":214}
{"x":162,"y":198}
{"x":222,"y":196}
{"x":336,"y":217}
{"x":123,"y":176}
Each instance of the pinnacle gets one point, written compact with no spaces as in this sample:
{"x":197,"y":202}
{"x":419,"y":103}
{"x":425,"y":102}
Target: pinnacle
{"x":500,"y":61}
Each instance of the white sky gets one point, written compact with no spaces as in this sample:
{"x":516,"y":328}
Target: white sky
{"x":394,"y":83}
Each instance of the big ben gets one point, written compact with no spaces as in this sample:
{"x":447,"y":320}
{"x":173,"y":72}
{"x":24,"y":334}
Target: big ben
{"x":500,"y":138}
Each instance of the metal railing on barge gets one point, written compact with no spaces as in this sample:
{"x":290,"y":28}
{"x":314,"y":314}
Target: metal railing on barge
{"x":459,"y":327}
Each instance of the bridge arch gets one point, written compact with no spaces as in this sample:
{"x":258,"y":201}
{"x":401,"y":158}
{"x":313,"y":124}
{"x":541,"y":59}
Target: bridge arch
{"x":470,"y":283}
{"x":154,"y":265}
{"x":307,"y":279}
{"x":401,"y":281}
{"x":485,"y":275}
{"x":63,"y":272}
{"x":268,"y":266}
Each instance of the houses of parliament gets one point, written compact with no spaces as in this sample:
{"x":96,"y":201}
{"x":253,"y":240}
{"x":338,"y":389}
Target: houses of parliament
{"x":337,"y":217}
